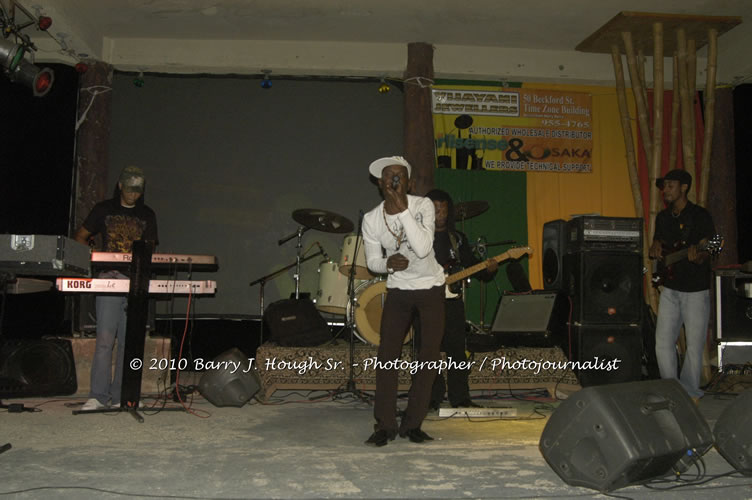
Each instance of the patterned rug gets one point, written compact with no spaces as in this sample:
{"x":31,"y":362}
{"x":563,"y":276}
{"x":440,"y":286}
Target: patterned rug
{"x":327,"y":367}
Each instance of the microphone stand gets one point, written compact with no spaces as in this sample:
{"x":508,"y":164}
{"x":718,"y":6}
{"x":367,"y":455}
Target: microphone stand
{"x":350,"y":321}
{"x":262,"y":281}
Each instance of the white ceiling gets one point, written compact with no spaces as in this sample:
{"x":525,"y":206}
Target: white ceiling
{"x":531,"y":40}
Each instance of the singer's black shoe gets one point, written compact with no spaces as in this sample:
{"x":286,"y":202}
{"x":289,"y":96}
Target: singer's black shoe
{"x":415,"y":435}
{"x":466,"y":403}
{"x":380,"y":438}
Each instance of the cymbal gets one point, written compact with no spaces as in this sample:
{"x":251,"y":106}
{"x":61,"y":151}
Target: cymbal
{"x":469,"y":209}
{"x":321,"y":220}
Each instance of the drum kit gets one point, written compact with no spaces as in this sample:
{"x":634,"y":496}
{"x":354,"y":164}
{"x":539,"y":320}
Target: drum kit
{"x":346,"y":287}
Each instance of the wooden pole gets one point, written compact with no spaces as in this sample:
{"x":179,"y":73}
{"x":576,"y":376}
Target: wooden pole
{"x":709,"y":114}
{"x":655,"y":160}
{"x":419,"y":139}
{"x":692,"y":92}
{"x":92,"y":139}
{"x":686,"y":113}
{"x":637,"y":90}
{"x":626,"y":128}
{"x":641,"y":65}
{"x":674,"y":115}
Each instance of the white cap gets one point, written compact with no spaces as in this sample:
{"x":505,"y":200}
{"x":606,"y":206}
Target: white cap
{"x":377,"y":166}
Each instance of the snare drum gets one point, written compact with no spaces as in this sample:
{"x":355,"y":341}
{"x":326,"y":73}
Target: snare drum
{"x":347,"y":259}
{"x":331,"y":296}
{"x":369,"y":299}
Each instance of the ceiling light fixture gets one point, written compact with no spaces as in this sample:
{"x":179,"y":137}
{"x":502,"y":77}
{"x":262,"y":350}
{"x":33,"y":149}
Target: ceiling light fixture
{"x":139,"y":80}
{"x":384,"y":88}
{"x":12,"y":54}
{"x":266,"y":83}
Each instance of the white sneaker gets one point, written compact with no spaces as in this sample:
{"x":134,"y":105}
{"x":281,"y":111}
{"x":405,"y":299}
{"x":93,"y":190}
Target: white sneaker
{"x":92,"y":404}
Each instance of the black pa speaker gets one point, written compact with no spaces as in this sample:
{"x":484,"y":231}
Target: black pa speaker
{"x":607,"y":354}
{"x":605,"y":286}
{"x":296,"y":323}
{"x":608,"y":437}
{"x":554,"y":248}
{"x":37,"y":368}
{"x":733,"y":433}
{"x":231,"y":380}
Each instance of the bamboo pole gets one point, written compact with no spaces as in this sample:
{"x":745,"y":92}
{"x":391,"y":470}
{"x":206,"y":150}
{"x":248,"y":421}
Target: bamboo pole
{"x":641,"y":66}
{"x":674,"y":116}
{"x":692,"y":93}
{"x":657,"y":156}
{"x":709,"y":114}
{"x":626,"y":129}
{"x":686,"y":114}
{"x":637,"y":90}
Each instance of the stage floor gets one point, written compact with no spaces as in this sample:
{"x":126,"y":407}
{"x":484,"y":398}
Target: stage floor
{"x":298,"y":445}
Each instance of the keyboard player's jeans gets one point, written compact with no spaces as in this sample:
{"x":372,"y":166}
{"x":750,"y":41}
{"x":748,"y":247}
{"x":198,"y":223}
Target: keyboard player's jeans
{"x":111,"y":318}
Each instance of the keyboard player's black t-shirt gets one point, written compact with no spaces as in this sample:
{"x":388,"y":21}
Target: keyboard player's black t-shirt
{"x":121,"y":226}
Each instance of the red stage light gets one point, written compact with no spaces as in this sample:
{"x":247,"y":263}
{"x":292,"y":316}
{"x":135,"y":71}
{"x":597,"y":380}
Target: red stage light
{"x":44,"y":23}
{"x":43,"y":82}
{"x":81,"y":67}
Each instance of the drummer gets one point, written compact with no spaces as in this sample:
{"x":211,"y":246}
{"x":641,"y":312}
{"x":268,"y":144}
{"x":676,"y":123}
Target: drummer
{"x":403,"y":225}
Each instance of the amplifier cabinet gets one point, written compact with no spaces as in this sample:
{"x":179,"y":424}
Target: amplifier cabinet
{"x":43,"y":255}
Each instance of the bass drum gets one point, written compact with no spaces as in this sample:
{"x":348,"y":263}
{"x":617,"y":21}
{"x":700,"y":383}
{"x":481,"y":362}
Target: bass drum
{"x":348,"y":258}
{"x":369,"y":299}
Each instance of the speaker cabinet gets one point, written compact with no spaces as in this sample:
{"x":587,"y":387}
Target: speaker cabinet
{"x":605,"y":286}
{"x":37,"y":368}
{"x":554,"y":247}
{"x":733,"y":433}
{"x":607,"y":354}
{"x":734,"y":309}
{"x":608,"y":437}
{"x":530,"y":320}
{"x":231,"y":381}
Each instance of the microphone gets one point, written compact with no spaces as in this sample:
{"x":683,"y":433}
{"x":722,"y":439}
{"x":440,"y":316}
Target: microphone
{"x":323,"y":252}
{"x":395,"y":182}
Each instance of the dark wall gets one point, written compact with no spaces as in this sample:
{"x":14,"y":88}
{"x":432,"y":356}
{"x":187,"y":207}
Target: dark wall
{"x":227,"y":163}
{"x":37,"y":136}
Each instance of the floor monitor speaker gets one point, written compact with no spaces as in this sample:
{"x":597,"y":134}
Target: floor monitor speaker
{"x":231,"y":381}
{"x":608,"y":437}
{"x":733,"y":433}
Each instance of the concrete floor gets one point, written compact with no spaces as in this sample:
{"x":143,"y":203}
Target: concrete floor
{"x":298,"y":446}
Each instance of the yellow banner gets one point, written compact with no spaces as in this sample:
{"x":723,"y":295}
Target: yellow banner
{"x":515,"y":129}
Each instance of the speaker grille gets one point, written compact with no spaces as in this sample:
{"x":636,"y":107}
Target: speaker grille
{"x":37,"y":368}
{"x":606,"y":287}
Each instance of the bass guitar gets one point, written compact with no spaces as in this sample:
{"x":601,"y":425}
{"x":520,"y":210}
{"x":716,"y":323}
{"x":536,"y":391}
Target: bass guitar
{"x":512,"y":253}
{"x":665,"y":267}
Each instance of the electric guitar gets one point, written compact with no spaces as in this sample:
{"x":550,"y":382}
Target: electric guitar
{"x":665,"y":267}
{"x":512,"y":253}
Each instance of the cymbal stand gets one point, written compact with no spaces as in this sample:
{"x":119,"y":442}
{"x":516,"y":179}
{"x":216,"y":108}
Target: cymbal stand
{"x":350,"y":322}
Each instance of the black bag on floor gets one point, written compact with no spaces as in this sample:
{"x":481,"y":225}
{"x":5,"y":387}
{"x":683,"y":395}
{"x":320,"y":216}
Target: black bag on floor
{"x":296,"y":323}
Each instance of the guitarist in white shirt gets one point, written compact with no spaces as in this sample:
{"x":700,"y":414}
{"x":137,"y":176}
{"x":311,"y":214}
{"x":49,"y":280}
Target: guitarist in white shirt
{"x":685,"y":298}
{"x":452,"y":249}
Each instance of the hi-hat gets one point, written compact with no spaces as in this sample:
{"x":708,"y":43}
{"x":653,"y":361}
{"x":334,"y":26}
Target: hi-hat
{"x":468,"y":209}
{"x":321,"y":220}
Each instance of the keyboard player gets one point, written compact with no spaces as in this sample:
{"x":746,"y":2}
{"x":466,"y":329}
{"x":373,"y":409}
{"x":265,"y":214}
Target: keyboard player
{"x":120,"y":221}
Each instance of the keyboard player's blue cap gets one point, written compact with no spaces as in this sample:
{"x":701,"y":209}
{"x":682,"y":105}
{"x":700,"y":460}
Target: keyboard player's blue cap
{"x":132,"y":179}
